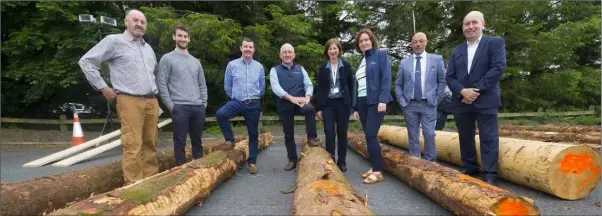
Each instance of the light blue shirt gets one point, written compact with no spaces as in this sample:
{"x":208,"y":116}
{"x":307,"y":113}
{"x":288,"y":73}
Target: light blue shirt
{"x":244,"y":80}
{"x":279,"y":91}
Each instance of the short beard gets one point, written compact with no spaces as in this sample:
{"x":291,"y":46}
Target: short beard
{"x":181,"y":47}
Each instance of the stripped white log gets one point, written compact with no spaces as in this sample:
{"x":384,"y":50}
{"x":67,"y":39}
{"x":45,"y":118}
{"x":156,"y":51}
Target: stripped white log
{"x":93,"y":152}
{"x":75,"y":149}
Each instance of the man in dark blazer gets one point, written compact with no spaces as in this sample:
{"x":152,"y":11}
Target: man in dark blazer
{"x":475,"y":69}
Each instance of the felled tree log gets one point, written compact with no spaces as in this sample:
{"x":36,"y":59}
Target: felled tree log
{"x":567,"y":171}
{"x":456,"y":192}
{"x":551,"y":136}
{"x":554,"y":128}
{"x":322,"y":189}
{"x":43,"y":195}
{"x":171,"y":192}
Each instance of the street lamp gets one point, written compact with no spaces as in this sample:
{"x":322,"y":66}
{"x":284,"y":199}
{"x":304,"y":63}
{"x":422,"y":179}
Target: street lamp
{"x":88,"y":18}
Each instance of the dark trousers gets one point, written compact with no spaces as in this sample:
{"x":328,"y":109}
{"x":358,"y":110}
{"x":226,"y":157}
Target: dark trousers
{"x":287,"y":119}
{"x":251,"y":112}
{"x":488,"y":136}
{"x":371,"y":120}
{"x":336,"y":113}
{"x":443,"y":110}
{"x":187,"y":119}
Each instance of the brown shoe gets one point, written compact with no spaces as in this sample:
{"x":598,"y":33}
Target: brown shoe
{"x":313,"y":143}
{"x":290,"y":166}
{"x":252,"y":169}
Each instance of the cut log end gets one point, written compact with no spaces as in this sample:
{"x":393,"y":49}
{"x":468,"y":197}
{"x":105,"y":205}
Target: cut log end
{"x":322,"y":189}
{"x":514,"y":206}
{"x":575,"y":173}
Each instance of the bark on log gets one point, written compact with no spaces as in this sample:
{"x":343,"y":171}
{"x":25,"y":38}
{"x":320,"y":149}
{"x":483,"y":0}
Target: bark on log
{"x":551,"y":136}
{"x":322,"y":189}
{"x":456,"y":192}
{"x":564,"y":170}
{"x":44,"y":194}
{"x":171,"y":192}
{"x":554,"y":128}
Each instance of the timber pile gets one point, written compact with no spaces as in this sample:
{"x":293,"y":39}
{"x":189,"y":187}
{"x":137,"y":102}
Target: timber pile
{"x":42,"y":195}
{"x":171,"y":192}
{"x":456,"y":192}
{"x":322,"y":189}
{"x":555,"y":128}
{"x":567,"y":171}
{"x":552,"y":136}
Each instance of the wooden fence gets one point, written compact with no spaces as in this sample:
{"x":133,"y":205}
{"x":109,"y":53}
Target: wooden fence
{"x":63,"y":122}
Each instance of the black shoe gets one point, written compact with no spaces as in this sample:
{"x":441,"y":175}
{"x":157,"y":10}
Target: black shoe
{"x":490,"y":179}
{"x":342,"y":167}
{"x":313,"y":142}
{"x":290,"y":166}
{"x":469,"y":171}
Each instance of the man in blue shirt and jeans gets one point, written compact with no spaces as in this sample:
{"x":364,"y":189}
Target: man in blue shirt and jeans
{"x":244,"y":83}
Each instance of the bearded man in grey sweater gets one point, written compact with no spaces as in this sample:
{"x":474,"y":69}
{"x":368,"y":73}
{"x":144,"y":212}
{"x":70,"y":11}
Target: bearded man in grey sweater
{"x":182,"y":87}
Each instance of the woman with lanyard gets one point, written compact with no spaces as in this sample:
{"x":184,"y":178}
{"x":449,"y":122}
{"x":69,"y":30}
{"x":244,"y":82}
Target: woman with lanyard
{"x":334,"y":91}
{"x":373,"y":78}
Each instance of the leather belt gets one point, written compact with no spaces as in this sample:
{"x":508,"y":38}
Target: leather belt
{"x":142,"y":96}
{"x":249,"y":101}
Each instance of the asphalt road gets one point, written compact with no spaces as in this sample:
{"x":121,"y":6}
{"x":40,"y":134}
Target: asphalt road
{"x":245,"y":194}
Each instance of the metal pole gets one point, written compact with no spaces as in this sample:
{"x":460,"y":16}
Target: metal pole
{"x":413,"y":16}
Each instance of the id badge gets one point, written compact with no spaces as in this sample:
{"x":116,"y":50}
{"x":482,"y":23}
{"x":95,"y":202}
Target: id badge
{"x":335,"y":90}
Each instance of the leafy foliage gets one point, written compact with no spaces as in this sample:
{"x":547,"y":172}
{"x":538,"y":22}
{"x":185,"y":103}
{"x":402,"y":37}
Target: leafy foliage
{"x":552,"y":47}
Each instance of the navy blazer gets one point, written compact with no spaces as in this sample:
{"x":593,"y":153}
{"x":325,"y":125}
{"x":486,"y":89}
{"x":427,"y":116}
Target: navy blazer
{"x":378,"y":78}
{"x":488,"y":65}
{"x":324,"y":78}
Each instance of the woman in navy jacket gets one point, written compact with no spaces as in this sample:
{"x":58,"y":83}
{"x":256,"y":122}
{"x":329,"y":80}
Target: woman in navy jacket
{"x":373,"y":81}
{"x":333,"y":93}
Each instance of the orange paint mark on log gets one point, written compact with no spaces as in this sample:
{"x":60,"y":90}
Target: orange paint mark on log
{"x":595,"y":175}
{"x":511,"y":207}
{"x":326,"y":185}
{"x":90,"y":211}
{"x":478,"y":182}
{"x":576,"y":163}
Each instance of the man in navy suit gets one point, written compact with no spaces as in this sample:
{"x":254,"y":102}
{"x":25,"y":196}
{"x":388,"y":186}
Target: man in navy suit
{"x":419,"y":87}
{"x":474,"y":72}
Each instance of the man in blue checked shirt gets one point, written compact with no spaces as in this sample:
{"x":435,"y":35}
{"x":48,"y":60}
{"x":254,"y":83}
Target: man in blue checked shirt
{"x":244,"y":83}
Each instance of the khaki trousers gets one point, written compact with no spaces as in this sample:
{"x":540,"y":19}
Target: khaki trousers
{"x":138,"y":118}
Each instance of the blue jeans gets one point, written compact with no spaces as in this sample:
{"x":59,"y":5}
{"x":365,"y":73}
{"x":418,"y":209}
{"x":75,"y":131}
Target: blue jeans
{"x":187,"y":119}
{"x":371,"y":120}
{"x":251,"y":112}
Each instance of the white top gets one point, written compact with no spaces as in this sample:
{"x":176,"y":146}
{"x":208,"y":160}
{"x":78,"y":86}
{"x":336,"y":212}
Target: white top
{"x":472,"y":48}
{"x":422,"y":71}
{"x":360,"y":75}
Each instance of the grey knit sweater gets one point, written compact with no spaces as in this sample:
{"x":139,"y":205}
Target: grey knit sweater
{"x":180,"y":80}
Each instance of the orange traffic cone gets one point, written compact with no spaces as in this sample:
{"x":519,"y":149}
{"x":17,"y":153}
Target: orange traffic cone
{"x":78,"y":133}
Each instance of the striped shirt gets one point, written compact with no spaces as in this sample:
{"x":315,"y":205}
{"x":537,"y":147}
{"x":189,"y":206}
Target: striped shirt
{"x":131,"y":64}
{"x":243,"y":80}
{"x":360,"y":75}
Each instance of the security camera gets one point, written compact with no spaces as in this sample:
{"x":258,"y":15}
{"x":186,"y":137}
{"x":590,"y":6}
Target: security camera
{"x":108,"y":21}
{"x":87,"y":18}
